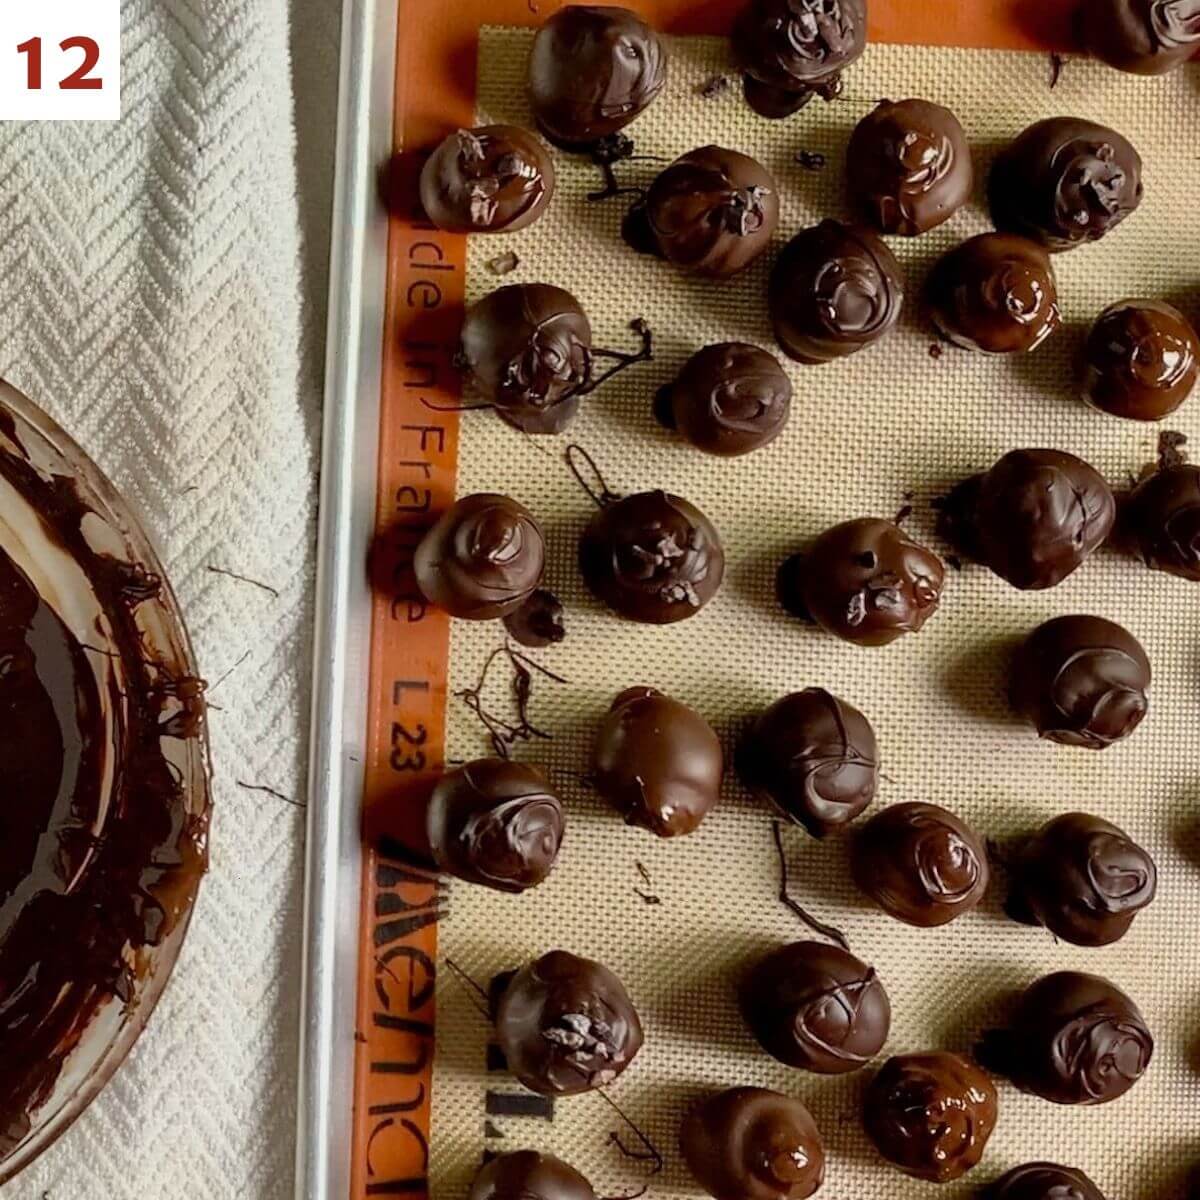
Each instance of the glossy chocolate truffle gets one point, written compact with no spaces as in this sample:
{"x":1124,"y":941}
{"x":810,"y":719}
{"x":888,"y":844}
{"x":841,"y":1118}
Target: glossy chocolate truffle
{"x":657,"y":762}
{"x":1033,"y":518}
{"x":995,"y":293}
{"x":792,"y":50}
{"x":728,"y":399}
{"x":1042,"y":1181}
{"x":652,"y":557}
{"x":494,"y":179}
{"x":528,"y":349}
{"x":817,"y":1007}
{"x":866,"y":581}
{"x":920,"y":864}
{"x":1081,"y":681}
{"x":909,"y":166}
{"x":482,"y":558}
{"x":1074,"y":1039}
{"x":1161,"y":519}
{"x":834,"y":289}
{"x":814,"y":757}
{"x":566,"y":1024}
{"x":930,"y":1114}
{"x":1141,"y":360}
{"x":495,"y":822}
{"x":529,"y":1175}
{"x":749,"y":1143}
{"x":713,"y":211}
{"x":593,"y":69}
{"x":1064,"y":182}
{"x":1083,"y":879}
{"x":1143,"y":37}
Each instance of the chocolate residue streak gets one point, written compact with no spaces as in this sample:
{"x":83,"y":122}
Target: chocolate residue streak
{"x":1056,"y":66}
{"x":264,"y":587}
{"x":811,"y":160}
{"x":100,"y":858}
{"x":714,"y":87}
{"x":935,"y":351}
{"x":1170,"y":449}
{"x":504,"y":263}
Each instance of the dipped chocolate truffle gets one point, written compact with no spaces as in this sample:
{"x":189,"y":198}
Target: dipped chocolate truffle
{"x":493,"y":179}
{"x":529,"y":1175}
{"x":834,"y":290}
{"x":748,"y":1143}
{"x":1143,"y":37}
{"x":1141,"y":360}
{"x":1074,"y":1039}
{"x":482,"y":558}
{"x":1033,"y":518}
{"x":592,"y":70}
{"x":1161,"y":520}
{"x":995,"y":293}
{"x":657,"y":762}
{"x":728,"y":399}
{"x":1081,"y":681}
{"x":1042,"y":1181}
{"x":931,"y":1114}
{"x":816,"y":1007}
{"x":814,"y":757}
{"x":792,"y":50}
{"x":565,"y":1024}
{"x":1064,"y":182}
{"x":652,"y":557}
{"x":495,"y":822}
{"x":713,"y":211}
{"x":1083,"y":879}
{"x":909,"y":166}
{"x":920,"y":863}
{"x":866,"y":581}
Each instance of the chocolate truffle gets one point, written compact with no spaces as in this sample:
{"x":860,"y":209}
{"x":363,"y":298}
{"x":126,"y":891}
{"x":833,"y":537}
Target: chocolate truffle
{"x":1065,"y":181}
{"x":494,"y":179}
{"x":1141,"y":360}
{"x":1033,"y":518}
{"x":1081,"y":681}
{"x":920,"y":864}
{"x":529,"y":1175}
{"x":728,"y":399}
{"x":814,"y":757}
{"x":652,"y":557}
{"x":792,"y":50}
{"x":1143,"y":37}
{"x":749,"y":1143}
{"x":482,"y":558}
{"x":1042,"y":1181}
{"x":1161,"y":518}
{"x":495,"y":822}
{"x":657,"y":762}
{"x":593,"y":69}
{"x":1083,"y":879}
{"x":930,"y":1114}
{"x":565,"y":1024}
{"x":834,"y":289}
{"x":1074,"y":1039}
{"x":866,"y":581}
{"x":909,"y":166}
{"x":817,"y":1007}
{"x":996,"y":293}
{"x":528,"y":348}
{"x":713,"y":211}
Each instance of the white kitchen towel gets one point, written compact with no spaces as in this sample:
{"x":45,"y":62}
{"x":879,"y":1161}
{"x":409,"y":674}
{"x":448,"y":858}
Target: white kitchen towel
{"x":161,"y":295}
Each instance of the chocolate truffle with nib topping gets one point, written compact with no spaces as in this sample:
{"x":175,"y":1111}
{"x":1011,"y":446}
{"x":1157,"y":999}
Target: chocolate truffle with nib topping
{"x":1161,"y":520}
{"x":909,"y":166}
{"x":529,"y":1175}
{"x":1064,"y":182}
{"x":593,"y":69}
{"x":1042,"y":1181}
{"x":1143,"y":37}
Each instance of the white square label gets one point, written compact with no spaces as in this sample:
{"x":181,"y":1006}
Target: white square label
{"x":60,"y":60}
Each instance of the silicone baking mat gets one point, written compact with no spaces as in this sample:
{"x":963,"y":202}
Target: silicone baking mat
{"x":889,"y":427}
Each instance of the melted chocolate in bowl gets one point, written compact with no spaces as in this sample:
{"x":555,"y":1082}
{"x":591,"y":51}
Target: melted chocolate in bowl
{"x":104,"y":794}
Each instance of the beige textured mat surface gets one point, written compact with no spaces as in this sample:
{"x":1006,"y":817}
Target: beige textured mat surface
{"x":863,"y":432}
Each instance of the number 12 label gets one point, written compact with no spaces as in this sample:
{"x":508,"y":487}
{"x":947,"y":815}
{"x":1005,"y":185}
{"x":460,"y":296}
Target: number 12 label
{"x":60,"y":60}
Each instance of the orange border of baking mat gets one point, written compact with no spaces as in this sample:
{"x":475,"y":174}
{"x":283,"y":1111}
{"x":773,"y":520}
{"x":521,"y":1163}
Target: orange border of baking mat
{"x":435,"y":93}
